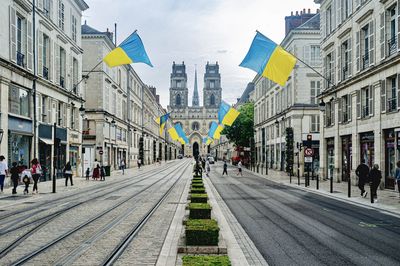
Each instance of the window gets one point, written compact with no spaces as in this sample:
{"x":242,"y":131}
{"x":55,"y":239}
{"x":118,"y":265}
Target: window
{"x":367,"y":99}
{"x":75,"y":75}
{"x":212,"y":99}
{"x":21,"y":40}
{"x":72,"y":119}
{"x":330,"y":114}
{"x":328,"y":20}
{"x":178,"y":100}
{"x":365,"y":47}
{"x":346,"y":9}
{"x":62,"y":67}
{"x":179,"y":84}
{"x":212,"y":84}
{"x":315,"y":55}
{"x":73,"y":28}
{"x":272,"y":106}
{"x":47,"y":7}
{"x":195,"y":126}
{"x":345,"y":109}
{"x":46,"y":56}
{"x":391,"y":94}
{"x":315,"y":91}
{"x":18,"y":101}
{"x":315,"y":123}
{"x":345,"y":60}
{"x":43,"y":116}
{"x":392,"y":30}
{"x":61,"y":14}
{"x":330,"y":69}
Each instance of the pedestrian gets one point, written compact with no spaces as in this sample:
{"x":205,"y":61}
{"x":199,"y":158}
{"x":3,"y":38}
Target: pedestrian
{"x":68,"y":173}
{"x":3,"y":172}
{"x":207,"y":167}
{"x":225,"y":168}
{"x":36,"y":171}
{"x":139,"y":162}
{"x":239,"y":166}
{"x":87,"y":173}
{"x":26,"y":179}
{"x":362,"y":172}
{"x":96,"y":172}
{"x":397,"y":177}
{"x":102,"y":173}
{"x":122,"y":166}
{"x":14,"y":176}
{"x":375,"y":177}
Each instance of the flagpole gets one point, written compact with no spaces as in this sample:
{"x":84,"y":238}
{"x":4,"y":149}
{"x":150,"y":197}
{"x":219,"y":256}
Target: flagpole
{"x":307,"y":65}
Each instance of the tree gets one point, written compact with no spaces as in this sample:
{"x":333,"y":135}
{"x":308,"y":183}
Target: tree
{"x":241,"y":131}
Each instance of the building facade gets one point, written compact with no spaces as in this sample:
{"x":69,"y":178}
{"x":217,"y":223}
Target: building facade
{"x":195,"y":120}
{"x":40,"y":66}
{"x":361,"y":96}
{"x":120,"y":111}
{"x":295,"y":105}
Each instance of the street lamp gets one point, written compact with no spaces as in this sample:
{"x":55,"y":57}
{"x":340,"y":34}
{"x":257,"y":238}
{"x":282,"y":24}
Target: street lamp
{"x":1,"y":134}
{"x":322,"y":106}
{"x":277,"y":123}
{"x":82,"y":110}
{"x":82,"y":113}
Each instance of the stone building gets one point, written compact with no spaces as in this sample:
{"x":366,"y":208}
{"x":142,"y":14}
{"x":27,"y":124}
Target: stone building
{"x":40,"y":65}
{"x":120,"y":110}
{"x":361,"y":97}
{"x":195,"y":119}
{"x":295,"y":105}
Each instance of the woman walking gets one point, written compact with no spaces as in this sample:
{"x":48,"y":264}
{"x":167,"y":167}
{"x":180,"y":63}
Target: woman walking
{"x":397,"y":177}
{"x":96,"y":172}
{"x":14,"y":177}
{"x":3,"y":171}
{"x":36,"y":171}
{"x":68,"y":173}
{"x":375,"y":177}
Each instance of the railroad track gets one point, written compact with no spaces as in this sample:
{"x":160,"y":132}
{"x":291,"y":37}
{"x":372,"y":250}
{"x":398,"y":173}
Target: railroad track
{"x":40,"y":222}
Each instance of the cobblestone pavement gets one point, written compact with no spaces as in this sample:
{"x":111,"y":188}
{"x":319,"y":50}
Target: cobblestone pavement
{"x":97,"y":239}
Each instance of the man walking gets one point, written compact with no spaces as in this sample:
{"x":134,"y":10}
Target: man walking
{"x":362,"y":172}
{"x":239,"y":166}
{"x":225,"y":171}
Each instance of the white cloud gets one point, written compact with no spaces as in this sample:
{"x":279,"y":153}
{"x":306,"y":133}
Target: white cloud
{"x":195,"y":31}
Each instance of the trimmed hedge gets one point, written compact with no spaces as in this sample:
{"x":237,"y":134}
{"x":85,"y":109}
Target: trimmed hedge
{"x":198,"y":185}
{"x":199,"y":211}
{"x":198,"y":190}
{"x":198,"y":198}
{"x":202,"y":232}
{"x":197,"y":181}
{"x":202,"y":260}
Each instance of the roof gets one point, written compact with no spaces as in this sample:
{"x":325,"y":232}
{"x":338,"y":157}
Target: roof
{"x":246,"y":94}
{"x":311,"y":24}
{"x":86,"y":29}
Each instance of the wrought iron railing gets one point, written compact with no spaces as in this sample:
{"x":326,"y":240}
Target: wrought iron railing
{"x":20,"y":59}
{"x":365,"y":111}
{"x":392,"y":46}
{"x":45,"y":72}
{"x":365,"y":62}
{"x":62,"y":81}
{"x":392,"y":104}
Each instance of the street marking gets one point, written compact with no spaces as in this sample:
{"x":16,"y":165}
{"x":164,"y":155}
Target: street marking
{"x":362,"y":224}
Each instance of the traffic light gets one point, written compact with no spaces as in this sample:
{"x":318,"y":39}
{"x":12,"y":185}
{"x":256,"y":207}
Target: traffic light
{"x":309,"y":141}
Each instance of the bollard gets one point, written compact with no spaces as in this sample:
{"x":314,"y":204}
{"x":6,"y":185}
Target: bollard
{"x":317,"y":181}
{"x":370,"y":191}
{"x":331,"y":184}
{"x":349,"y":187}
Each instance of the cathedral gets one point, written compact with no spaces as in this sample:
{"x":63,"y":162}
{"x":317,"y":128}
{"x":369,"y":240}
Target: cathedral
{"x":195,"y":120}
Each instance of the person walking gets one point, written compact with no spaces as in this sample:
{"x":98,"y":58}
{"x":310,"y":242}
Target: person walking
{"x":36,"y":171}
{"x":26,"y":176}
{"x":102,"y":173}
{"x":68,"y":173}
{"x":139,"y":162}
{"x":87,"y":173}
{"x":14,"y":176}
{"x":362,"y":172}
{"x":96,"y":172}
{"x":3,"y":172}
{"x":122,"y":166}
{"x":208,"y":167}
{"x":397,"y":177}
{"x":225,"y":168}
{"x":239,"y":168}
{"x":375,"y":177}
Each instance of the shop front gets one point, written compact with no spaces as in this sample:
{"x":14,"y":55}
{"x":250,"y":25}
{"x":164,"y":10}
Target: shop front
{"x":347,"y":156}
{"x":73,"y":158}
{"x":45,"y":146}
{"x":367,"y":148}
{"x":60,"y":154}
{"x":330,"y":151}
{"x":390,"y":156}
{"x":19,"y":141}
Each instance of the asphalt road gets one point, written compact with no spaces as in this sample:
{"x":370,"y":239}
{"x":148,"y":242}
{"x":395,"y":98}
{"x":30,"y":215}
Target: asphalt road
{"x":290,"y":226}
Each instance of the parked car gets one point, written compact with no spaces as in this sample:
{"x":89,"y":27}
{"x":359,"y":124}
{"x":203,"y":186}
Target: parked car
{"x":211,"y":160}
{"x":180,"y":156}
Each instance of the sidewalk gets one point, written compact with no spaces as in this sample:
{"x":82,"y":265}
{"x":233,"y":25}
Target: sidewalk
{"x":45,"y":187}
{"x":388,"y":200}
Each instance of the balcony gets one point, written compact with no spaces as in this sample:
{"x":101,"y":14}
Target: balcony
{"x":62,"y":81}
{"x":45,"y":72}
{"x":392,"y":46}
{"x":365,"y":112}
{"x":365,"y":62}
{"x":392,"y":104}
{"x":20,"y":59}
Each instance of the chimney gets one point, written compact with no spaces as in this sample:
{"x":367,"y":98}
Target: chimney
{"x":297,"y":13}
{"x":291,"y":13}
{"x":318,"y":10}
{"x":304,"y":10}
{"x":309,"y":11}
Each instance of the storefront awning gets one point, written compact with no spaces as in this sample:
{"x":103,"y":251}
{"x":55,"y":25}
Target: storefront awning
{"x":47,"y":141}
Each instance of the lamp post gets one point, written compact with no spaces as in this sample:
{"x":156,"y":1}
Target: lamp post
{"x":1,"y":134}
{"x":82,"y":113}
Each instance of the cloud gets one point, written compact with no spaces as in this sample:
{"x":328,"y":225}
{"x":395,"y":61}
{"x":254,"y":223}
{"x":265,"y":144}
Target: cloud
{"x":222,"y":51}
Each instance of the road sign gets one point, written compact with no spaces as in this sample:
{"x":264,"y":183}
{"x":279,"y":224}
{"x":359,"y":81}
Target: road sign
{"x":308,"y":152}
{"x":101,"y":152}
{"x":308,"y":159}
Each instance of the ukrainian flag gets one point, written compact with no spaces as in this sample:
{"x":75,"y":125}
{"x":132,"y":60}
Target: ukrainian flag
{"x":129,"y":51}
{"x":227,"y":114}
{"x":215,"y":131}
{"x":172,"y":132}
{"x":207,"y":140}
{"x":162,"y":120}
{"x":181,"y":133}
{"x":269,"y":59}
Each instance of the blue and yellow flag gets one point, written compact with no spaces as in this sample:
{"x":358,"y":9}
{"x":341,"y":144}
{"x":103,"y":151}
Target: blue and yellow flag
{"x":162,"y":120}
{"x":129,"y":51}
{"x":227,"y":114}
{"x":269,"y":60}
{"x":207,"y":140}
{"x":181,"y":133}
{"x":215,"y":130}
{"x":172,"y":132}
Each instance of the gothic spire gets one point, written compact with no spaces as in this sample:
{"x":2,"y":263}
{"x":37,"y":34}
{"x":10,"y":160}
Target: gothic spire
{"x":195,"y":99}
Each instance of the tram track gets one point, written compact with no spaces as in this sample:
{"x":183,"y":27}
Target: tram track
{"x":39,"y":223}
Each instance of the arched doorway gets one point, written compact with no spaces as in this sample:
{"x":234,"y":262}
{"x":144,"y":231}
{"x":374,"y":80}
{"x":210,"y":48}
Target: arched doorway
{"x":196,"y":150}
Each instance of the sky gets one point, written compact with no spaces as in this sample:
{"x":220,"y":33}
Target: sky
{"x":195,"y":31}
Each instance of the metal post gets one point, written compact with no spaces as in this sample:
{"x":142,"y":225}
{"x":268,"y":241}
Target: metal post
{"x":290,"y":174}
{"x":331,"y":185}
{"x":317,"y":181}
{"x":349,"y":187}
{"x":54,"y":158}
{"x":370,"y":191}
{"x":298,"y":168}
{"x":34,"y":79}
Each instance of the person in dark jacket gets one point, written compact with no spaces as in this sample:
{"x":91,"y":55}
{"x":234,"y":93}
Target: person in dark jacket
{"x":68,"y":173}
{"x":362,"y":172}
{"x":225,"y":171}
{"x":14,"y":176}
{"x":102,"y":173}
{"x":375,"y":177}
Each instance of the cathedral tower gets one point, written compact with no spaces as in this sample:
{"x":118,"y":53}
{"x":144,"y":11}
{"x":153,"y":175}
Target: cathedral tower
{"x":178,"y":92}
{"x":212,"y":86}
{"x":195,"y":99}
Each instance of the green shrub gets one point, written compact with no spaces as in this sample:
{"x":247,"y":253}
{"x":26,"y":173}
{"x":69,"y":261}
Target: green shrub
{"x":209,"y":260}
{"x":198,"y":185}
{"x":198,"y":190}
{"x":202,"y":232}
{"x":198,"y":198}
{"x":197,"y":181}
{"x":199,"y":211}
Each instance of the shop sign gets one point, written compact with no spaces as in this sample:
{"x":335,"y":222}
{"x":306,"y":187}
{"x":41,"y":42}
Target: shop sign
{"x":367,"y":137}
{"x":308,"y":159}
{"x":398,"y":139}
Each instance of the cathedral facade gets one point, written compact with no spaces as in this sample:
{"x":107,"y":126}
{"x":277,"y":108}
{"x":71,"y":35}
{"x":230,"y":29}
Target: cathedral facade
{"x":195,"y":119}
